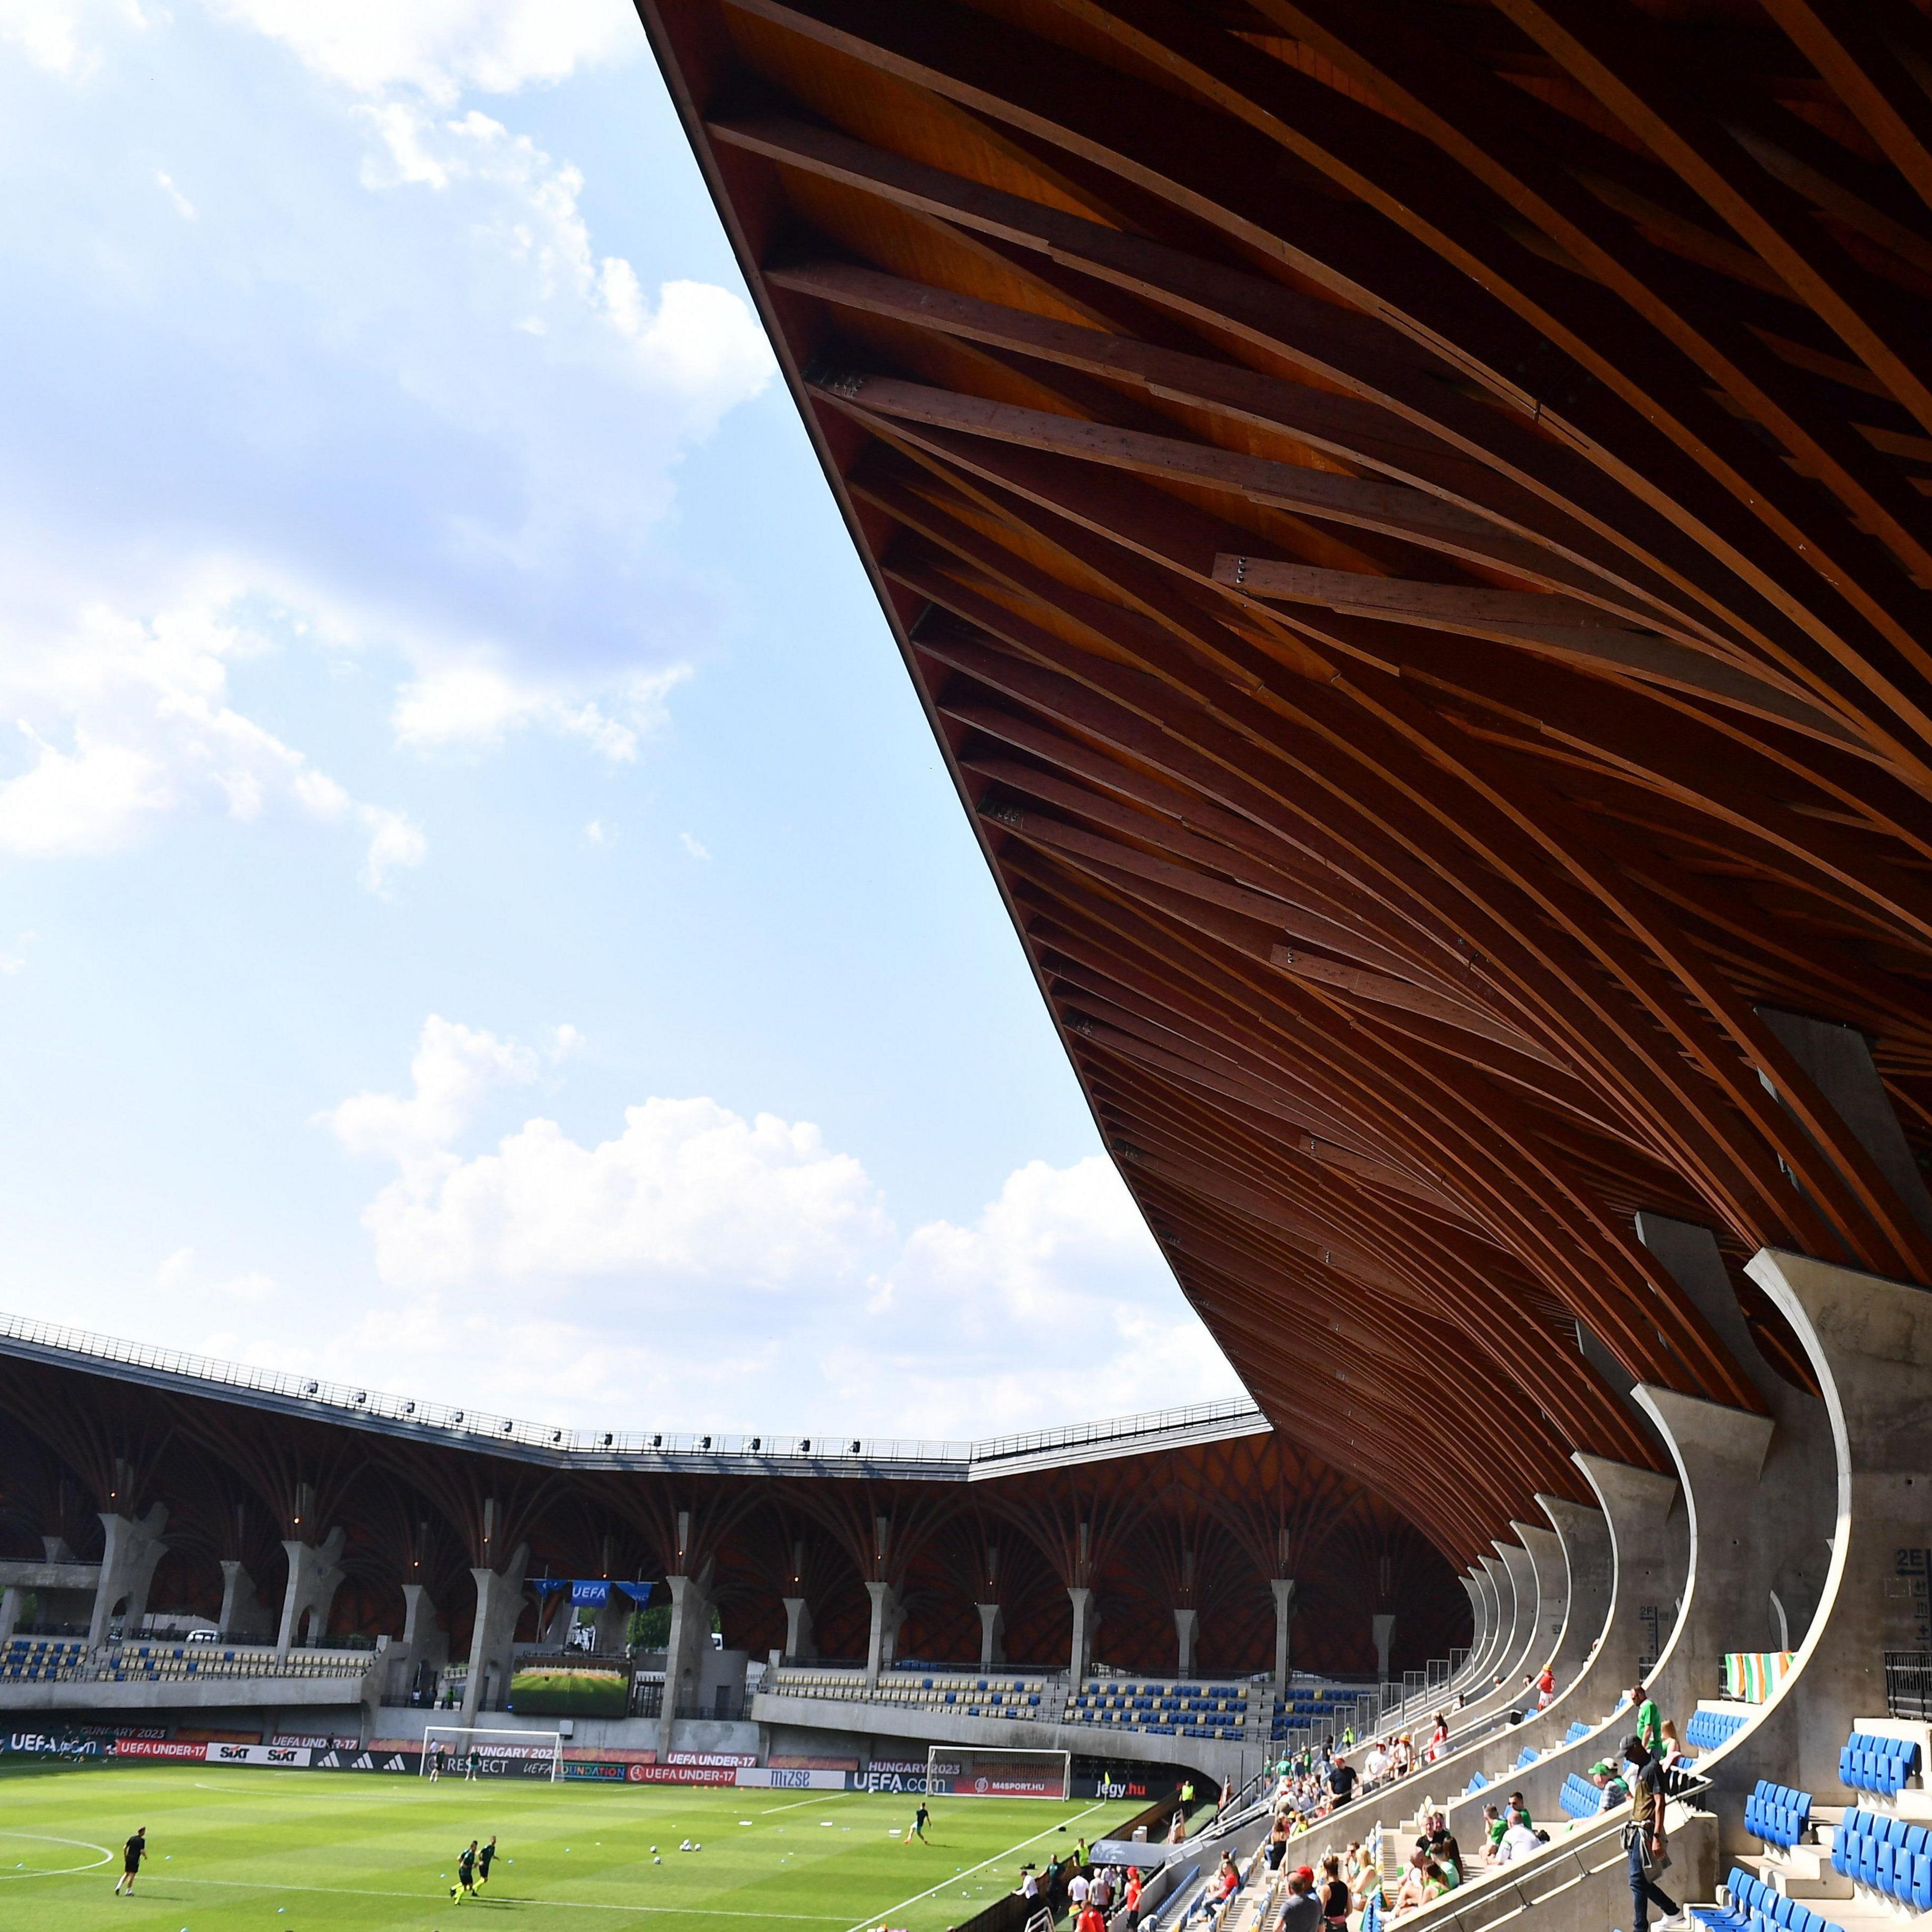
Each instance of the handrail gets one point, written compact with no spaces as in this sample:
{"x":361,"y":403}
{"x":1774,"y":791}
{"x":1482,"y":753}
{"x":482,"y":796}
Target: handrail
{"x":829,"y":1453}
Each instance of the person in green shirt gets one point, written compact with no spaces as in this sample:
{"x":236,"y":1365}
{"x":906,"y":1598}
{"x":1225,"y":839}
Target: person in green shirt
{"x":1649,"y":1721}
{"x":1515,"y":1800}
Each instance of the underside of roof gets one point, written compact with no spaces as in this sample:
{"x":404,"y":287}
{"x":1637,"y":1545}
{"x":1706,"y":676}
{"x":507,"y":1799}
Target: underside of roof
{"x":1409,"y":521}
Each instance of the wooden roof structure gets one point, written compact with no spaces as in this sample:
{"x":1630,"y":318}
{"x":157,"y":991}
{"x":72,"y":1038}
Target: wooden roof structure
{"x":1408,"y":519}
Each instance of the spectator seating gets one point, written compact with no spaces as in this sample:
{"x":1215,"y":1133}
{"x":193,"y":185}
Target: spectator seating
{"x":41,"y":1660}
{"x":1881,"y":1765}
{"x":1371,"y":1913}
{"x":1708,"y":1729}
{"x":965,"y":1696}
{"x":1218,"y":1711}
{"x":1307,"y":1707}
{"x":27,"y":1660}
{"x":1777,"y":1813}
{"x":1525,"y":1758}
{"x":1757,"y":1906}
{"x":1477,"y":1782}
{"x":1888,"y":1854}
{"x":1580,"y":1798}
{"x":1577,"y":1729}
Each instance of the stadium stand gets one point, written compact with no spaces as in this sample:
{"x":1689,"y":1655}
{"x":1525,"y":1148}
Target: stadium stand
{"x":1711,"y":1726}
{"x":1880,"y":1764}
{"x":1777,"y":1813}
{"x":970,"y":1696}
{"x":1753,"y":1905}
{"x":1167,"y":1709}
{"x":1580,"y":1798}
{"x":58,"y":1660}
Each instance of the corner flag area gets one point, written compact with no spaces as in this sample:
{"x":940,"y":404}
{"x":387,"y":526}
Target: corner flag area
{"x":291,"y":1852}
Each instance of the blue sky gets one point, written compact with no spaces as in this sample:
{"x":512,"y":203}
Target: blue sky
{"x":480,"y":910}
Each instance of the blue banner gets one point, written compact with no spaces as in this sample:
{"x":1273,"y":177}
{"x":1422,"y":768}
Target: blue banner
{"x":595,"y":1594}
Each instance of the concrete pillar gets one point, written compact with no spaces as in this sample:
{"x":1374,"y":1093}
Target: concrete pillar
{"x":127,"y":1560}
{"x":1477,"y":1584}
{"x":799,"y":1647}
{"x":315,"y":1575}
{"x":1502,"y":1612}
{"x":1085,"y":1622}
{"x":684,"y":1654}
{"x":613,"y":1624}
{"x":1186,"y":1622}
{"x":1720,"y":1455}
{"x":1870,"y":1344}
{"x":12,"y":1599}
{"x":423,"y":1643}
{"x":1651,"y":1554}
{"x":499,"y":1603}
{"x":1552,"y":1593}
{"x":1788,"y":1543}
{"x":245,"y":1618}
{"x":57,"y":1549}
{"x":1585,"y":1535}
{"x":1382,"y":1625}
{"x":887,"y":1616}
{"x":992,"y":1634}
{"x":1283,"y":1588}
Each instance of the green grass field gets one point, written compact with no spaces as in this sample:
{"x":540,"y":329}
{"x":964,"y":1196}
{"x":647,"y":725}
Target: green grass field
{"x":299,"y":1851}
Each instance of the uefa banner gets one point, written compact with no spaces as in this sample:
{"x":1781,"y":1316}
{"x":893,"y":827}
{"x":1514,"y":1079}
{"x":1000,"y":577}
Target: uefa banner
{"x":992,"y":1780}
{"x":680,"y":1774}
{"x":173,"y":1749}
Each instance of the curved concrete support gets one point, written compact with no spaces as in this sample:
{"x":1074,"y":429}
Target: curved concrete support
{"x":1479,"y":1631}
{"x":1283,"y":1588}
{"x":1481,"y":1652}
{"x":128,"y":1557}
{"x":1553,"y":1593}
{"x":684,"y":1653}
{"x":499,"y":1603}
{"x":315,"y":1575}
{"x":1523,"y":1629}
{"x":1870,"y":1344}
{"x":1719,"y":1454}
{"x":1502,"y":1599}
{"x":1585,"y":1535}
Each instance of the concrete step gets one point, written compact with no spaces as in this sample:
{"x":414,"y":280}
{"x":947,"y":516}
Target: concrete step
{"x":1800,"y":1873}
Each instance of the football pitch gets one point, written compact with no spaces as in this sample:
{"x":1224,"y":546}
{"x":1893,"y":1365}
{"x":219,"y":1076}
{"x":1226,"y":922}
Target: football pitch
{"x":300,"y":1851}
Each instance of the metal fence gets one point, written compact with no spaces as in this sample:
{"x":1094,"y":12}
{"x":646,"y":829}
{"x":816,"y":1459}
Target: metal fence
{"x":1908,"y":1683}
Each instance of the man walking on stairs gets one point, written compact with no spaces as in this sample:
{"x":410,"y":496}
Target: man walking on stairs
{"x":1646,"y":1836}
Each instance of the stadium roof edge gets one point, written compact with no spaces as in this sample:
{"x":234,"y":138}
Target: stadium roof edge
{"x":182,"y":1373}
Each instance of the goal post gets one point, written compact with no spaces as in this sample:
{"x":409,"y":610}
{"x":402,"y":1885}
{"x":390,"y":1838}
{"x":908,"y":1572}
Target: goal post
{"x":499,"y":1752}
{"x":961,"y":1771}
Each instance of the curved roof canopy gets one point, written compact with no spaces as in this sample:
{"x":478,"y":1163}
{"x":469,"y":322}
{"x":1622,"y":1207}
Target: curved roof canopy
{"x":1410,"y":523}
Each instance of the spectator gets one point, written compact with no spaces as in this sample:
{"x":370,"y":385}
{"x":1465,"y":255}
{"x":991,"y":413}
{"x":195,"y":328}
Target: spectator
{"x":1410,"y":1893}
{"x":1301,"y":1910}
{"x":1603,"y":1776}
{"x":1227,"y":1879}
{"x":1649,"y":1723}
{"x":1132,"y":1900}
{"x":1077,"y":1889}
{"x":1091,"y":1919}
{"x":1519,"y":1838}
{"x":1342,"y":1780}
{"x":1438,"y":1738}
{"x":1334,"y":1895}
{"x":1028,"y":1887}
{"x":1516,"y":1799}
{"x":1546,"y":1688}
{"x":1494,"y":1826}
{"x":1375,"y":1765}
{"x":1649,"y":1848}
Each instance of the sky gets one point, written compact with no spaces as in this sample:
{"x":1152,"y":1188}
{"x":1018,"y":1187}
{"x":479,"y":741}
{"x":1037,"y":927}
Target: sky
{"x":481,"y":913}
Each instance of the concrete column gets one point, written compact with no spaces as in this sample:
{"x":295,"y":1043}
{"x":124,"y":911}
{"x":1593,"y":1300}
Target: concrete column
{"x":1283,"y":1588}
{"x":684,"y":1654}
{"x":127,"y":1560}
{"x":613,"y":1624}
{"x":1651,"y":1554}
{"x":1502,"y":1612}
{"x":499,"y":1603}
{"x":423,"y":1642}
{"x":1186,"y":1622}
{"x":1477,"y":1584}
{"x":245,"y":1618}
{"x":992,"y":1634}
{"x":799,"y":1648}
{"x":1553,"y":1594}
{"x":1382,"y":1625}
{"x":1870,"y":1344}
{"x":1788,"y":1543}
{"x":1085,"y":1622}
{"x":886,"y":1618}
{"x":12,"y":1600}
{"x":1585,"y":1535}
{"x":57,"y":1549}
{"x":315,"y":1575}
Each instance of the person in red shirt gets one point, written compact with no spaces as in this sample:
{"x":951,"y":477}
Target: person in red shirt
{"x":1090,"y":1919}
{"x":1133,"y":1896}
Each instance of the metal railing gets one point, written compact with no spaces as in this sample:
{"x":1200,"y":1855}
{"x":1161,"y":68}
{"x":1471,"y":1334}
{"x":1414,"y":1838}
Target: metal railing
{"x":832,"y":1453}
{"x":1908,"y":1683}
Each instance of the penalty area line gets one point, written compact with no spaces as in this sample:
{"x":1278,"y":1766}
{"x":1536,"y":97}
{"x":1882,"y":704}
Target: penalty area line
{"x":875,"y":1918}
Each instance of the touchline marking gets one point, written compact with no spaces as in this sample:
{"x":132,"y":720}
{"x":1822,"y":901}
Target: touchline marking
{"x":873,"y":1918}
{"x":769,"y":1809}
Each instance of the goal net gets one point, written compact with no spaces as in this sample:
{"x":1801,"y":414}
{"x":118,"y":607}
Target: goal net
{"x":453,"y":1750}
{"x":953,"y":1770}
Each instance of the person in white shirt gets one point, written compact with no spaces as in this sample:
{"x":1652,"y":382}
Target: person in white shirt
{"x":1376,"y":1764}
{"x":1519,"y":1841}
{"x":1077,"y":1890}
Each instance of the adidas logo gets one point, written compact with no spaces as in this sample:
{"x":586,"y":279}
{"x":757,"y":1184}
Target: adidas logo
{"x":393,"y":1764}
{"x":366,"y":1763}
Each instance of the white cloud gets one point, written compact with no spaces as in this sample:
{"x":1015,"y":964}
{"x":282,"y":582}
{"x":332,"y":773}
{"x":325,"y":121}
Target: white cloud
{"x":123,"y":721}
{"x":176,"y":1278}
{"x":185,"y":208}
{"x":697,"y":849}
{"x":54,"y":34}
{"x":702,"y":1269}
{"x":453,"y":1069}
{"x":596,"y":832}
{"x":442,"y":47}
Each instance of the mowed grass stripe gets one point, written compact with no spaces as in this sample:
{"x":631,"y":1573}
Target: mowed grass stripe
{"x":278,"y":1851}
